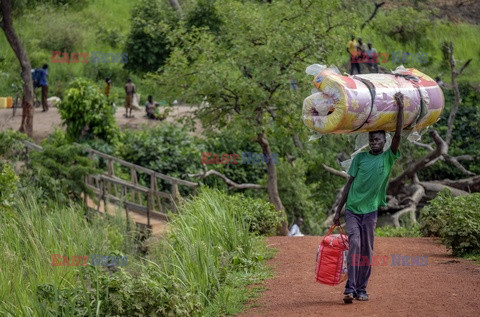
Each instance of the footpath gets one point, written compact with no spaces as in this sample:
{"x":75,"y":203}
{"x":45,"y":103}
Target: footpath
{"x":446,"y":286}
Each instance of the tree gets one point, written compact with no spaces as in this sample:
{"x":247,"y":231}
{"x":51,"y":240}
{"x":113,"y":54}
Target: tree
{"x":6,"y":24}
{"x":147,"y":43}
{"x":242,"y":77}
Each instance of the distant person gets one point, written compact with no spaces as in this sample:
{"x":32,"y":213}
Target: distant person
{"x":108,"y":84}
{"x":151,"y":109}
{"x":360,"y":52}
{"x":130,"y":90}
{"x":372,"y":58}
{"x":295,"y":229}
{"x":439,"y":82}
{"x":43,"y":82}
{"x":293,"y":85}
{"x":352,"y":50}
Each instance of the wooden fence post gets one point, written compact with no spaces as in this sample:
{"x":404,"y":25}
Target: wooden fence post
{"x":149,"y":206}
{"x":175,"y":194}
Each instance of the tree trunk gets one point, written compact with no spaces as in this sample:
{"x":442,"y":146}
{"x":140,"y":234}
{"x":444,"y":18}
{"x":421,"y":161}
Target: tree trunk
{"x":176,"y":5}
{"x":27,"y":102}
{"x":272,"y":185}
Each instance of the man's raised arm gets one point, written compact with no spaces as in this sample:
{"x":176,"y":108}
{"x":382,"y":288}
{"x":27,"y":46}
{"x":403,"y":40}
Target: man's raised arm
{"x":398,"y":130}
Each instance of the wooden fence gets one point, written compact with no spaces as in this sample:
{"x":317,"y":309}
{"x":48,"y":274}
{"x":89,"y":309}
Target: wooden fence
{"x":129,"y":194}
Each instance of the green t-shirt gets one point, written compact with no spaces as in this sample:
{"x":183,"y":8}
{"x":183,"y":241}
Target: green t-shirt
{"x":369,"y":187}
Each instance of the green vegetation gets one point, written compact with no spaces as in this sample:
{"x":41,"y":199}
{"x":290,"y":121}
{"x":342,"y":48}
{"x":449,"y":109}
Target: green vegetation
{"x":455,"y":220}
{"x":57,"y":171}
{"x":31,"y":233}
{"x":234,"y":61}
{"x":389,"y":231}
{"x":87,"y":114}
{"x":202,"y":267}
{"x":8,"y":185}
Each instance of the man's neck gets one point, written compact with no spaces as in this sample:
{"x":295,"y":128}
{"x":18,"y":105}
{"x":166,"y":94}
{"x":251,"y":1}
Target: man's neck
{"x":375,"y":153}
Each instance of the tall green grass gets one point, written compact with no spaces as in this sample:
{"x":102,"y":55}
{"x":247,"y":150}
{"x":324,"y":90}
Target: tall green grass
{"x":212,"y":253}
{"x":30,"y":234}
{"x":200,"y":268}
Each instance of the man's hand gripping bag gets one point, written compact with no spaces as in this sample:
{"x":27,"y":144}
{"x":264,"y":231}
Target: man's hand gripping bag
{"x":332,"y":252}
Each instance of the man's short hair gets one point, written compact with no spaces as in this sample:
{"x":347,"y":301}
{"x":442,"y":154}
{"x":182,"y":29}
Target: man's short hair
{"x":382,"y":132}
{"x":45,"y":66}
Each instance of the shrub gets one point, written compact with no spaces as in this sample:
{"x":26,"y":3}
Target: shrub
{"x":233,"y":141}
{"x":454,"y":219}
{"x":261,"y":215}
{"x":61,"y":33}
{"x":296,"y":195}
{"x":389,"y":231}
{"x":58,"y":170}
{"x":86,"y":112}
{"x":11,"y":145}
{"x":165,"y":148}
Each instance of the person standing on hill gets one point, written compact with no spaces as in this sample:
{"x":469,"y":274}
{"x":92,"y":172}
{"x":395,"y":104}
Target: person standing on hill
{"x":360,"y":53}
{"x":43,"y":83}
{"x":130,"y":90}
{"x":371,"y":57}
{"x":364,"y":193}
{"x":352,"y":50}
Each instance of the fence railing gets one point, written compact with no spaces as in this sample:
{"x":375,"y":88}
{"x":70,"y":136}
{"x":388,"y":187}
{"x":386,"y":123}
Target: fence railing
{"x":129,"y":194}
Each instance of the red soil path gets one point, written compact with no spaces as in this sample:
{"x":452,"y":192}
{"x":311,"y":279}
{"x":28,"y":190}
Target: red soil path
{"x":447,"y":286}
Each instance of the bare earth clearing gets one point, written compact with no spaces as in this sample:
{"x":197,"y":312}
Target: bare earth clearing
{"x":44,"y":123}
{"x":447,"y":286}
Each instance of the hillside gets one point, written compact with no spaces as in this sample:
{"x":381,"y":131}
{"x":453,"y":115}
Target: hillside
{"x":102,"y":26}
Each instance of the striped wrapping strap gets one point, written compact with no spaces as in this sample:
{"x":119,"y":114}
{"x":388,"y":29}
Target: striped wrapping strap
{"x":371,"y":89}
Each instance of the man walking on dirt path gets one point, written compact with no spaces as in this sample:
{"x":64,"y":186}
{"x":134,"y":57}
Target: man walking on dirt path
{"x":130,"y":90}
{"x":364,"y":192}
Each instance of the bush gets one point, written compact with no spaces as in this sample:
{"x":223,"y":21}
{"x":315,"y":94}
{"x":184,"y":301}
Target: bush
{"x":261,"y":215}
{"x":11,"y":145}
{"x":296,"y":195}
{"x":389,"y":231}
{"x":58,"y":170}
{"x":165,"y":148}
{"x":61,"y":33}
{"x":86,"y":112}
{"x":232,"y":141}
{"x":454,"y":219}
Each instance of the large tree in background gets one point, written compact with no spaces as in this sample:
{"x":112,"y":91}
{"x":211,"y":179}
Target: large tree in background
{"x":242,"y":77}
{"x":6,"y":23}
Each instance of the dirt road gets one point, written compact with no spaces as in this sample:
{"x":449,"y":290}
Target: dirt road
{"x":447,"y":286}
{"x":44,"y":123}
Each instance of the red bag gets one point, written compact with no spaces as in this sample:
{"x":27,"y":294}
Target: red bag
{"x":332,"y":258}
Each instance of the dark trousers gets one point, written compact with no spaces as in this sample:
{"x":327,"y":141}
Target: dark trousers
{"x":44,"y":97}
{"x":360,"y":229}
{"x":354,"y":64}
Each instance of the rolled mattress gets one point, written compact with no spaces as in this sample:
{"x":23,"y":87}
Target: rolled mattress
{"x":362,"y":103}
